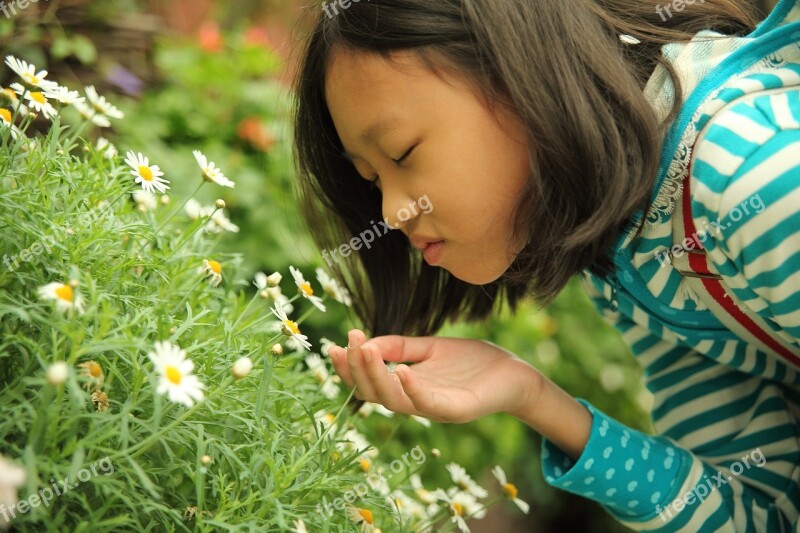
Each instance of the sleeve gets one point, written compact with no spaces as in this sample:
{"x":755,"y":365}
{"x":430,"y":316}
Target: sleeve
{"x":725,"y":460}
{"x":747,"y":176}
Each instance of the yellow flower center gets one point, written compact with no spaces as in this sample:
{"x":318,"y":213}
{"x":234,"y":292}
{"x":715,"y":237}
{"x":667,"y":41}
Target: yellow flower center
{"x":330,"y":418}
{"x":39,"y":97}
{"x":5,"y":114}
{"x":215,"y":267}
{"x":11,"y":95}
{"x":64,"y":292}
{"x":173,"y":374}
{"x":365,"y":464}
{"x":366,"y":514}
{"x":510,"y":490}
{"x":458,"y":508}
{"x":292,"y":326}
{"x":306,"y":288}
{"x":146,"y":173}
{"x":95,"y":370}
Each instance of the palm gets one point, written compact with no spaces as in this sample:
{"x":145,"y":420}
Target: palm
{"x":451,"y":380}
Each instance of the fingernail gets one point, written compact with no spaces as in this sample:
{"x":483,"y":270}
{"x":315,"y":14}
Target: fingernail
{"x":367,"y":351}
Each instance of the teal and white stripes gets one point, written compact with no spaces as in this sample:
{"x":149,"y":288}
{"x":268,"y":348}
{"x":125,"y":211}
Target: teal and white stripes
{"x":716,"y":398}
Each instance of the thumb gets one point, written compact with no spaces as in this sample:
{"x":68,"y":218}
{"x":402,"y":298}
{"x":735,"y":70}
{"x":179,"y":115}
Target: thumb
{"x":421,"y":397}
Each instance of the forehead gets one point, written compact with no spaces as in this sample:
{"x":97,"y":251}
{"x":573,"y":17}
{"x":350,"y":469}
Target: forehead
{"x":362,"y":83}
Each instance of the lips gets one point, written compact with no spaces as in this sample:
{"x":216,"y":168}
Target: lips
{"x":432,"y":252}
{"x":420,"y":242}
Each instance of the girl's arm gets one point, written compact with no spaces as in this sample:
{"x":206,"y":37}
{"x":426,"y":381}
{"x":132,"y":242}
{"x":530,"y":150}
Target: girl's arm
{"x":559,"y":417}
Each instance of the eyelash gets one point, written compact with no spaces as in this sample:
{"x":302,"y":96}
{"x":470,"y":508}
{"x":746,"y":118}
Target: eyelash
{"x":397,"y":162}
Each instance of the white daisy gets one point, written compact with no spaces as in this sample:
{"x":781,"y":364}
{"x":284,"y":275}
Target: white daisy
{"x":11,"y":97}
{"x":363,"y":517}
{"x":64,"y":295}
{"x":325,"y":345}
{"x":213,"y":270}
{"x":260,"y":281}
{"x":28,"y":73}
{"x":455,"y":508}
{"x":87,"y":112}
{"x":6,"y":120}
{"x":12,"y":477}
{"x":304,"y":288}
{"x":509,"y":489}
{"x":320,"y":372}
{"x":277,"y":294}
{"x":355,"y":441}
{"x":101,"y":105}
{"x":332,"y":288}
{"x":210,"y":171}
{"x":404,"y":505}
{"x":465,"y":482}
{"x":149,"y":176}
{"x":64,"y":95}
{"x":37,"y":100}
{"x":220,"y":223}
{"x":289,"y":327}
{"x":424,"y":495}
{"x":105,"y":147}
{"x":194,"y":209}
{"x":176,"y":377}
{"x":145,"y":200}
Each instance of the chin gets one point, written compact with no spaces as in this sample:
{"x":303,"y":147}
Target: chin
{"x":473,"y":277}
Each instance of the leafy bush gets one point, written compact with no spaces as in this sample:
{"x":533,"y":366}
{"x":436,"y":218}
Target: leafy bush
{"x":143,"y":387}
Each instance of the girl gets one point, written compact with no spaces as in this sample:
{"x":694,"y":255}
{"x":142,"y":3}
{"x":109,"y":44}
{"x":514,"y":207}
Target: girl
{"x":654,"y":149}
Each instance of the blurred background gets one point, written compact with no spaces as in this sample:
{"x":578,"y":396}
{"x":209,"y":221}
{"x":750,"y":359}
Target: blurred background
{"x":216,"y":76}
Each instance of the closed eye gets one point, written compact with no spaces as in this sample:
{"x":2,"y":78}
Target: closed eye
{"x":402,"y":158}
{"x":398,"y":162}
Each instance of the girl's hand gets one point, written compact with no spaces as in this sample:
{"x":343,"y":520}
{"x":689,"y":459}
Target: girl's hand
{"x":451,"y":380}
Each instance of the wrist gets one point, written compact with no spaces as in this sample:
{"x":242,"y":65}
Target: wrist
{"x":556,"y":415}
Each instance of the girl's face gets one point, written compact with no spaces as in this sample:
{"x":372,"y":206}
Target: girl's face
{"x":428,"y":136}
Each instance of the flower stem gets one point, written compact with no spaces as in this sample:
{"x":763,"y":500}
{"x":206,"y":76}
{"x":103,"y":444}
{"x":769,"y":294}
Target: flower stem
{"x":180,"y":208}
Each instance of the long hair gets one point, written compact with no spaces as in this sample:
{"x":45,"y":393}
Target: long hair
{"x":594,"y":140}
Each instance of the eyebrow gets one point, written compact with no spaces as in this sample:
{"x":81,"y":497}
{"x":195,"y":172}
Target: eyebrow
{"x":374,"y":132}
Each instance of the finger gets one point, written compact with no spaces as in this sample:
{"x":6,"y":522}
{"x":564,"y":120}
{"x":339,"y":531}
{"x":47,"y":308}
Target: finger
{"x":399,"y":348}
{"x":421,"y":397}
{"x":355,"y":360}
{"x":387,"y":385}
{"x":339,"y":358}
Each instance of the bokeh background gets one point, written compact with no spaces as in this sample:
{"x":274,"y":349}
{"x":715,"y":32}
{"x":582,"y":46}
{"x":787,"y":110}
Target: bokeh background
{"x":216,"y":75}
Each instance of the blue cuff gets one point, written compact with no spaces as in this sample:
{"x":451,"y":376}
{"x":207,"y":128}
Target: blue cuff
{"x":625,"y":470}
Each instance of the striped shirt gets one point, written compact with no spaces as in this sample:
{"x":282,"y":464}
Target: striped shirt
{"x":727,"y":453}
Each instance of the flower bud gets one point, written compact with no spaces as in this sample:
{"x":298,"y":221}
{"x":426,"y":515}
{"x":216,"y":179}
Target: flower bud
{"x":57,"y":373}
{"x":277,"y":349}
{"x":220,"y":203}
{"x":242,"y":367}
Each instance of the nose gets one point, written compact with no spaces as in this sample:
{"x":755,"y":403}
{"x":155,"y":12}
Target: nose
{"x":398,"y":207}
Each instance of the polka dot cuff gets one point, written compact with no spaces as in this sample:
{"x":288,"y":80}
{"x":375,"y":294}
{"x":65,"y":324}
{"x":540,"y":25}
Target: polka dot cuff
{"x":625,"y":470}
